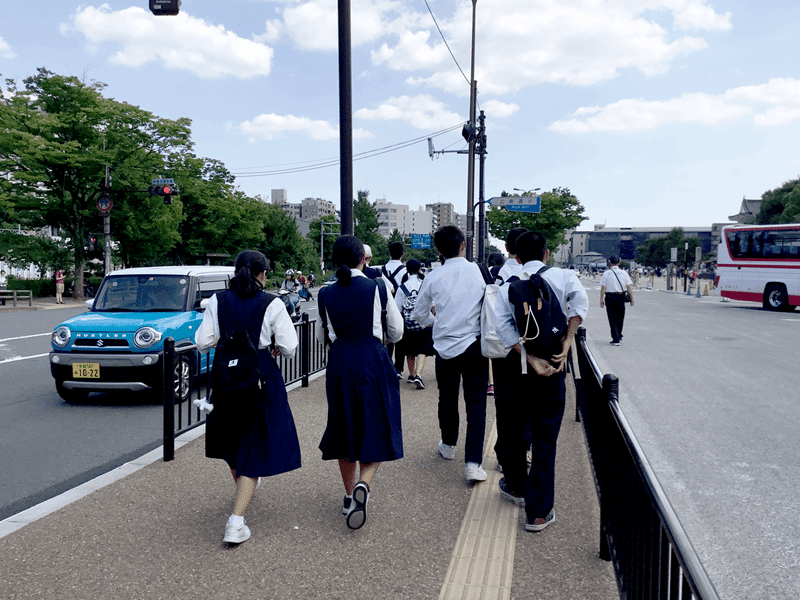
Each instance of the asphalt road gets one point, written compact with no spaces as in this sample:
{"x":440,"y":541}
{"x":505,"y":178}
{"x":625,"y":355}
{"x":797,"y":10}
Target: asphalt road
{"x":49,"y":446}
{"x":711,"y":391}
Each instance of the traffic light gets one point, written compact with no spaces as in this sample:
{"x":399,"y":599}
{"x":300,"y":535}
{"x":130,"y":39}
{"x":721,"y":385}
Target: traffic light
{"x":91,"y":243}
{"x":168,"y":191}
{"x":165,"y":7}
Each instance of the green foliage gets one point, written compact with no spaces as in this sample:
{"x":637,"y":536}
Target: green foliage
{"x":313,"y":238}
{"x":781,"y":205}
{"x":20,"y":250}
{"x":282,"y":239}
{"x":561,"y":211}
{"x":658,"y":252}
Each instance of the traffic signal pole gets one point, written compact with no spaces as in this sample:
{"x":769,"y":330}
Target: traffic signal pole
{"x":107,"y":233}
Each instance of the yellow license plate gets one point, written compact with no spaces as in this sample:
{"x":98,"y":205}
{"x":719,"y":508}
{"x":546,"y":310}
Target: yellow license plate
{"x":86,"y":370}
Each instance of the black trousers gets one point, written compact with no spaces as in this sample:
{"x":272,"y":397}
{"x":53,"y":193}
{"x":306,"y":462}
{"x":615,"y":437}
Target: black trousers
{"x":536,"y":402}
{"x":615,"y":309}
{"x":500,"y":376}
{"x":472,"y":368}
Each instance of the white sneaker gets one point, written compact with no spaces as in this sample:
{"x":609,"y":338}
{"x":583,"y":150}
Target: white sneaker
{"x":448,"y":452}
{"x":474,"y":472}
{"x":235,"y":535}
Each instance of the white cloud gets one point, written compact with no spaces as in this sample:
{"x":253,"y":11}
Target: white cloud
{"x":313,"y":25}
{"x":527,"y":42}
{"x":422,"y":112}
{"x":499,"y":110}
{"x":782,"y":96}
{"x":5,"y":49}
{"x":269,"y":126}
{"x":180,"y":42}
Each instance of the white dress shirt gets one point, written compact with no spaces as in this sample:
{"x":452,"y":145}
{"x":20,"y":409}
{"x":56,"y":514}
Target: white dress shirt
{"x":614,"y":286}
{"x":394,"y":320}
{"x":456,"y":291}
{"x":276,"y":322}
{"x":566,"y":286}
{"x":510,"y":268}
{"x":391,"y":267}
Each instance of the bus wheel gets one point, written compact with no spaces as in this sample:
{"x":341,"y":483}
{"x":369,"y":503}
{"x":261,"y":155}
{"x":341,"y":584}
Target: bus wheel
{"x":776,"y":298}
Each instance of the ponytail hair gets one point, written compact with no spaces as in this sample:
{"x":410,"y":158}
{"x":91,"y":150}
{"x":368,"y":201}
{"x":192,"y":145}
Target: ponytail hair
{"x":248,"y":265}
{"x":348,"y":252}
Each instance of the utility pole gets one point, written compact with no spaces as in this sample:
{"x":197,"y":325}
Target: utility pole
{"x":107,"y":231}
{"x":345,"y":119}
{"x":471,"y":160}
{"x":481,"y":202}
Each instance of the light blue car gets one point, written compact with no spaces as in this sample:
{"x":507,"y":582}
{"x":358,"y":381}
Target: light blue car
{"x":119,"y":344}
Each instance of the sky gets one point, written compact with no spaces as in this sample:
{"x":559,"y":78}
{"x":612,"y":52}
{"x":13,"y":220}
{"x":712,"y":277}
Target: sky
{"x":654,"y":113}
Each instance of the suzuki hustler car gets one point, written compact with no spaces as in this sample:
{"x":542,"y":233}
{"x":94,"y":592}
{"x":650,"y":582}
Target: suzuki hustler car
{"x":119,"y":343}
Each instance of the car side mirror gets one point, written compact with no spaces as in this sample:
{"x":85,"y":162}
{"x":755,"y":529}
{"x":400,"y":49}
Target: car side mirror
{"x":204,"y":303}
{"x":89,"y":303}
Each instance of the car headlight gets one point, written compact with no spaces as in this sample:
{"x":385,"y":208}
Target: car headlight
{"x":61,"y":336}
{"x":146,"y":337}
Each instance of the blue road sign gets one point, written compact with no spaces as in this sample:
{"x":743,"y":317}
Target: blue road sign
{"x":529,"y":204}
{"x":420,"y":240}
{"x":163,"y":181}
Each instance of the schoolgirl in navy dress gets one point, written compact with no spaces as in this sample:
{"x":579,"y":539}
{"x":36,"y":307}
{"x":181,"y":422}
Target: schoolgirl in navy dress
{"x":252,"y":430}
{"x":364,"y":427}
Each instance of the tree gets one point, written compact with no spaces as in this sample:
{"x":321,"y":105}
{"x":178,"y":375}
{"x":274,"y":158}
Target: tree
{"x":658,"y":252}
{"x":282,"y":238}
{"x":20,"y":250}
{"x":560,"y":211}
{"x":781,"y":205}
{"x":58,"y":136}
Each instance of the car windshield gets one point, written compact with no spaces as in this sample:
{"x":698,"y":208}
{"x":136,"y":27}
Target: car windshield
{"x":143,"y":293}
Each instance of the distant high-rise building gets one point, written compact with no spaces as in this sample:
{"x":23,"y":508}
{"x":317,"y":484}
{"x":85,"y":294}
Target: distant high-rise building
{"x":279,"y":196}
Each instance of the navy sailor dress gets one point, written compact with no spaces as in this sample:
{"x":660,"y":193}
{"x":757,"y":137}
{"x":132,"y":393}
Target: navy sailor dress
{"x":364,"y":421}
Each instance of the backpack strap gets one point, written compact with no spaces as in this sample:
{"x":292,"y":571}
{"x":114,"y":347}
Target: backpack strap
{"x":487,"y":276}
{"x":384,"y":299}
{"x":405,"y":289}
{"x":392,"y":276}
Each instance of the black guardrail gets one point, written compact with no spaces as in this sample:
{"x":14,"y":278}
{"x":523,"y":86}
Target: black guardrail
{"x":184,"y":381}
{"x":639,"y":531}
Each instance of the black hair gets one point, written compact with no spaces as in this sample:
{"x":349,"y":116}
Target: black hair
{"x":531,"y":246}
{"x":248,"y":265}
{"x":511,"y":238}
{"x":413,"y":267}
{"x":496,"y":259}
{"x":348,"y":252}
{"x":613,"y":259}
{"x":447,"y":240}
{"x":396,"y":250}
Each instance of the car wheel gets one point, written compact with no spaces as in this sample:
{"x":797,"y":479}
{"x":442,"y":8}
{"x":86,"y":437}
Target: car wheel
{"x":776,"y":298}
{"x":73,"y":395}
{"x":182,"y":379}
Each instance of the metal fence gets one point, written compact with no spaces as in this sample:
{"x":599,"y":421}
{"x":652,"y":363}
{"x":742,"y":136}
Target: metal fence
{"x":639,"y":531}
{"x":186,"y":379}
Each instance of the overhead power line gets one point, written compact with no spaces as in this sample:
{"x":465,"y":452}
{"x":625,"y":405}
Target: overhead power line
{"x":300,"y":167}
{"x":445,"y":43}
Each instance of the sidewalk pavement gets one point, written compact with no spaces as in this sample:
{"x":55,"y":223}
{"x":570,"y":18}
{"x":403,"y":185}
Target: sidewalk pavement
{"x":153,"y":530}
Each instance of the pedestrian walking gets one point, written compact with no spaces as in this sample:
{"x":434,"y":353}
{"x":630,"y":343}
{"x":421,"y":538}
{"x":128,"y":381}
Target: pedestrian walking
{"x":536,"y":399}
{"x":393,"y":273}
{"x":364,"y":427}
{"x":454,"y":293}
{"x":251,"y":429}
{"x":417,"y":342}
{"x":3,"y":286}
{"x":615,"y":287}
{"x":510,"y":270}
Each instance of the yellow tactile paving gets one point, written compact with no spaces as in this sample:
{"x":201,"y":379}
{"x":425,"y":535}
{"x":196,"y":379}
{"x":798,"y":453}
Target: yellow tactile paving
{"x":482,"y":564}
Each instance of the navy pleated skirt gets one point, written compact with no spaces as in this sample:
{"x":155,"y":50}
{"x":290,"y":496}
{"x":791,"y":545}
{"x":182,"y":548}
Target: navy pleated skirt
{"x":363,"y":403}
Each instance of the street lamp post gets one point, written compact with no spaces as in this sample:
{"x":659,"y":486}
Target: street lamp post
{"x":471,"y":158}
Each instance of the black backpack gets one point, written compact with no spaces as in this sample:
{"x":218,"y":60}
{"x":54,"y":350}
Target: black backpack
{"x":235,"y":365}
{"x":538,"y":315}
{"x":391,"y":276}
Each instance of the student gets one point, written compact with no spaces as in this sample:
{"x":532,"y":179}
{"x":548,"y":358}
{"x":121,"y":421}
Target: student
{"x":364,"y":427}
{"x":455,"y":292}
{"x":393,"y":273}
{"x":416,"y":344}
{"x":536,"y":399}
{"x":510,"y":269}
{"x":613,"y":285}
{"x":253,"y":429}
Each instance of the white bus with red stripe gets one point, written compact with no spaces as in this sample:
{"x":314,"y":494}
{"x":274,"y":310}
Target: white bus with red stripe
{"x":760,"y":263}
